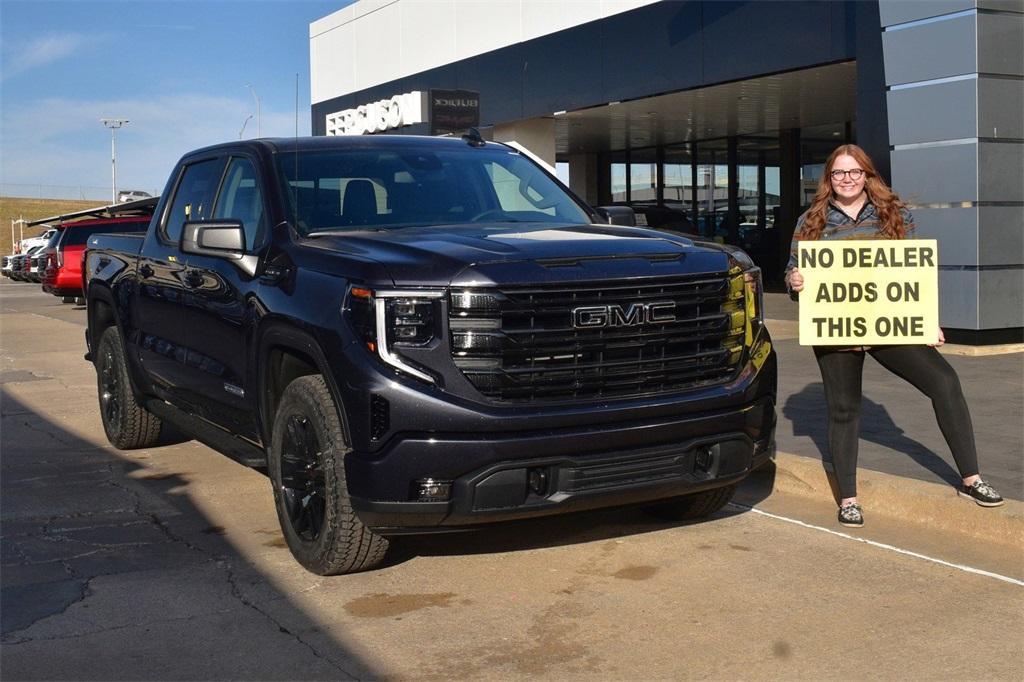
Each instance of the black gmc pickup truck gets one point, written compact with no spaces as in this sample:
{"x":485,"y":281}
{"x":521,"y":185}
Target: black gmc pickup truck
{"x":416,"y":335}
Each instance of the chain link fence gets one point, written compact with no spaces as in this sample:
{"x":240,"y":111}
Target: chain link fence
{"x":29,"y":191}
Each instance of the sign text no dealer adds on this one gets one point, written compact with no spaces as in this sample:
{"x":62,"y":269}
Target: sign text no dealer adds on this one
{"x":869,"y":292}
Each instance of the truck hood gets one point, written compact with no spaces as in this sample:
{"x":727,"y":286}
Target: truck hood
{"x":517,"y":253}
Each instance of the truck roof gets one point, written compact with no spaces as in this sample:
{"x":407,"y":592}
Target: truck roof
{"x":320,"y":142}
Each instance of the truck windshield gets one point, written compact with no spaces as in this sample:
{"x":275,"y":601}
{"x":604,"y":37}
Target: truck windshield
{"x":382,"y":189}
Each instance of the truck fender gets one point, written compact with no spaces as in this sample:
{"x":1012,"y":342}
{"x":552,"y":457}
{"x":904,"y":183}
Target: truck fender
{"x":281,"y":335}
{"x":99,"y":292}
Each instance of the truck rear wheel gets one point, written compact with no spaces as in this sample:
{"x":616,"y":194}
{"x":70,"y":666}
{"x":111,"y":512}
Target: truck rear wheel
{"x":307,"y":471}
{"x":695,"y":506}
{"x":128,"y":425}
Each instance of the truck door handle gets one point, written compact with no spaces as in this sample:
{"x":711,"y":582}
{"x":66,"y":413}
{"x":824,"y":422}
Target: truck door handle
{"x":146,"y":270}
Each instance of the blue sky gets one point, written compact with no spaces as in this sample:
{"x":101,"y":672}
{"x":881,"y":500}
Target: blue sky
{"x":177,"y":70}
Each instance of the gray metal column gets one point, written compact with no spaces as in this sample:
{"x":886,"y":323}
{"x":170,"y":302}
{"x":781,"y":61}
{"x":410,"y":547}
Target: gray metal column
{"x":955,"y":76}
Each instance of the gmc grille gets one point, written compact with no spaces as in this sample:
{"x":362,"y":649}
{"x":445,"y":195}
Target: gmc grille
{"x":527,"y":345}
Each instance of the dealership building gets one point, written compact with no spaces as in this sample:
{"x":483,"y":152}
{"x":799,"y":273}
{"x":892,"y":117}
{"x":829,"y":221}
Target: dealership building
{"x":722,"y":112}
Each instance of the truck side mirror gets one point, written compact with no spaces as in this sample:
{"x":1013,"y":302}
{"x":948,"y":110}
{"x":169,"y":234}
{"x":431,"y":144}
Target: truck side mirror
{"x":220,"y":239}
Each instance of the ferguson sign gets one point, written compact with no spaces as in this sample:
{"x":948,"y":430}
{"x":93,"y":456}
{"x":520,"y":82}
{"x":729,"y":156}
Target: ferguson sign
{"x":400,"y":110}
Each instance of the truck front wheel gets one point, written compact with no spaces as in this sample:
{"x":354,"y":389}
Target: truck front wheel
{"x":127,"y":424}
{"x":307,"y":471}
{"x":694,"y":506}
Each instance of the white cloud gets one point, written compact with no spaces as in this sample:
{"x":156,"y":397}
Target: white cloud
{"x":20,"y":57}
{"x":59,"y":141}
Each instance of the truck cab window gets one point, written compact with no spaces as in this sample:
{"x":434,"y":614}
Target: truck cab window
{"x":241,"y":199}
{"x":193,"y":197}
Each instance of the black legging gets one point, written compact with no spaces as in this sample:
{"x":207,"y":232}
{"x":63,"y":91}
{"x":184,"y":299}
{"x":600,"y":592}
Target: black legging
{"x":922,"y":366}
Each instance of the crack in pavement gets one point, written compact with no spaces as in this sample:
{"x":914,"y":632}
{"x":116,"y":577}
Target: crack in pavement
{"x":236,"y":592}
{"x":84,"y":589}
{"x":91,"y":633}
{"x":70,"y":443}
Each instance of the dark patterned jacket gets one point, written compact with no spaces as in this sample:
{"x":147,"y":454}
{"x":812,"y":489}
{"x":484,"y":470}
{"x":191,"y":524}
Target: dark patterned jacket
{"x":838,"y":225}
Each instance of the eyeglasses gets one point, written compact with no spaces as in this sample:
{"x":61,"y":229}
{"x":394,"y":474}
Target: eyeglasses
{"x":854,"y":173}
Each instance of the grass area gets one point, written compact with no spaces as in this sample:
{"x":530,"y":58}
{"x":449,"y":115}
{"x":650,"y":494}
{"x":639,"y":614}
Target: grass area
{"x":13,"y":208}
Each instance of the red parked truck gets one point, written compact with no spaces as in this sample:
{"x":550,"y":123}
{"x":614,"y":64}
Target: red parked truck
{"x":63,"y":274}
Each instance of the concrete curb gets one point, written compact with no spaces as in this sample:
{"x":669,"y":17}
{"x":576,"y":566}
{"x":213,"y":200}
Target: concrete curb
{"x":934,"y":505}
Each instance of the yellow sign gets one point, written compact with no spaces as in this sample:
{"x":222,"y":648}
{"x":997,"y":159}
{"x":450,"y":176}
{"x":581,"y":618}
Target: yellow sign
{"x":869,"y":292}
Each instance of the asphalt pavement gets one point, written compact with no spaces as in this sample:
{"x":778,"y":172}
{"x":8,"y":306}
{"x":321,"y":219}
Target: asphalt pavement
{"x":167,"y":563}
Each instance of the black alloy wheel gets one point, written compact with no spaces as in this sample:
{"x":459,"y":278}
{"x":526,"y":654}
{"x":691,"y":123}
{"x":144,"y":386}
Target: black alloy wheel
{"x":302,"y":478}
{"x":306,"y":463}
{"x":110,"y":387}
{"x":127,"y":424}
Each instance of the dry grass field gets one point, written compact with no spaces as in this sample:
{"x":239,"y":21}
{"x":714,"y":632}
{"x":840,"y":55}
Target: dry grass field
{"x":13,"y":208}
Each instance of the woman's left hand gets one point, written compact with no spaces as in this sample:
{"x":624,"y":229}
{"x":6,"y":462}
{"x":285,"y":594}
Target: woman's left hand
{"x":941,"y":342}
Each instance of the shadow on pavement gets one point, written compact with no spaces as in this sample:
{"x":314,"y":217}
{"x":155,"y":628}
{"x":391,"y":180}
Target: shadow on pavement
{"x":808,"y":413}
{"x":106,"y":575}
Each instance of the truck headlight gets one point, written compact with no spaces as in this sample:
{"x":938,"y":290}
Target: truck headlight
{"x":390,"y":321}
{"x":745,"y":306}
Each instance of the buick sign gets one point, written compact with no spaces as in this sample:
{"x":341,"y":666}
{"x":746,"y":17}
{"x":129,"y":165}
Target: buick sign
{"x":453,"y":111}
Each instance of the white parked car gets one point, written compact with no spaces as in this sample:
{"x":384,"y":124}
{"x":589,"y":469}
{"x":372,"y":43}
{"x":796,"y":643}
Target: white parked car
{"x":127,"y":195}
{"x":25,"y":245}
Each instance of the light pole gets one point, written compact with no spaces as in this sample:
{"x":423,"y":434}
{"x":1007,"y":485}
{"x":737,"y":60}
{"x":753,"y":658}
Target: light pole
{"x":247,"y":119}
{"x":259,"y":126}
{"x":113,"y":124}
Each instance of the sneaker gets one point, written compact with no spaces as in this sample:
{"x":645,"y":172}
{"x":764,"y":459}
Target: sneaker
{"x":982,"y":493}
{"x":851,"y":515}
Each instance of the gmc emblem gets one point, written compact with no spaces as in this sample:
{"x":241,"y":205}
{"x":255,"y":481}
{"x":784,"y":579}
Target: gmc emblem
{"x":617,"y":316}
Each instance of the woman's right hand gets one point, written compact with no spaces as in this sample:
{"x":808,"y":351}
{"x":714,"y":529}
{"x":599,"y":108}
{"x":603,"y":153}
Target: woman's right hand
{"x":796,"y":280}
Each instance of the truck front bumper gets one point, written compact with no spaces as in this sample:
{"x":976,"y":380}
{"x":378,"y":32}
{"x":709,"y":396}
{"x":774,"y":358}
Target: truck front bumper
{"x":504,"y":477}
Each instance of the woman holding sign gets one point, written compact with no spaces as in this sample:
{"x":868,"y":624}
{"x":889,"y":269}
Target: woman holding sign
{"x":853,"y":202}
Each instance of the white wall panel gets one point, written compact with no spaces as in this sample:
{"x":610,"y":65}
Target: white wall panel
{"x":541,"y":17}
{"x":332,"y":21}
{"x":378,"y":57}
{"x":383,"y":40}
{"x":485,"y":25}
{"x":610,"y":7}
{"x":428,"y":34}
{"x":332,"y":58}
{"x":365,"y":7}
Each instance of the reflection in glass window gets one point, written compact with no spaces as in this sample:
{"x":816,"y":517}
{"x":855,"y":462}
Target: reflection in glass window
{"x":192,"y":197}
{"x":240,"y":199}
{"x":643,"y":175}
{"x":618,"y":178}
{"x":678,"y":176}
{"x":341,"y":189}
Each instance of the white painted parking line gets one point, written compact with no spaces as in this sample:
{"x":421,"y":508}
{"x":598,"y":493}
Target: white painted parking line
{"x":882,"y":545}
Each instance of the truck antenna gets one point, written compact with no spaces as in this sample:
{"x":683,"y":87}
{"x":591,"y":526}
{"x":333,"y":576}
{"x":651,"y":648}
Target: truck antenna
{"x":295,"y":186}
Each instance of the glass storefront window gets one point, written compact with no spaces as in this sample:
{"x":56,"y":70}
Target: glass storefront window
{"x":643,"y":175}
{"x":618,"y":177}
{"x":758,"y":193}
{"x":678,"y":177}
{"x":712,"y":189}
{"x":816,"y":144}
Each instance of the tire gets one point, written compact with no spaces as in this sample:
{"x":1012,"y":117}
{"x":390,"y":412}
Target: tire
{"x":67,"y":299}
{"x":306,"y":463}
{"x":695,"y":506}
{"x":128,"y":425}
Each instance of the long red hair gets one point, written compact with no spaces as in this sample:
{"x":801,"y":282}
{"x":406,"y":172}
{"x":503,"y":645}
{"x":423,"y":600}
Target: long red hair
{"x":887,"y":204}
